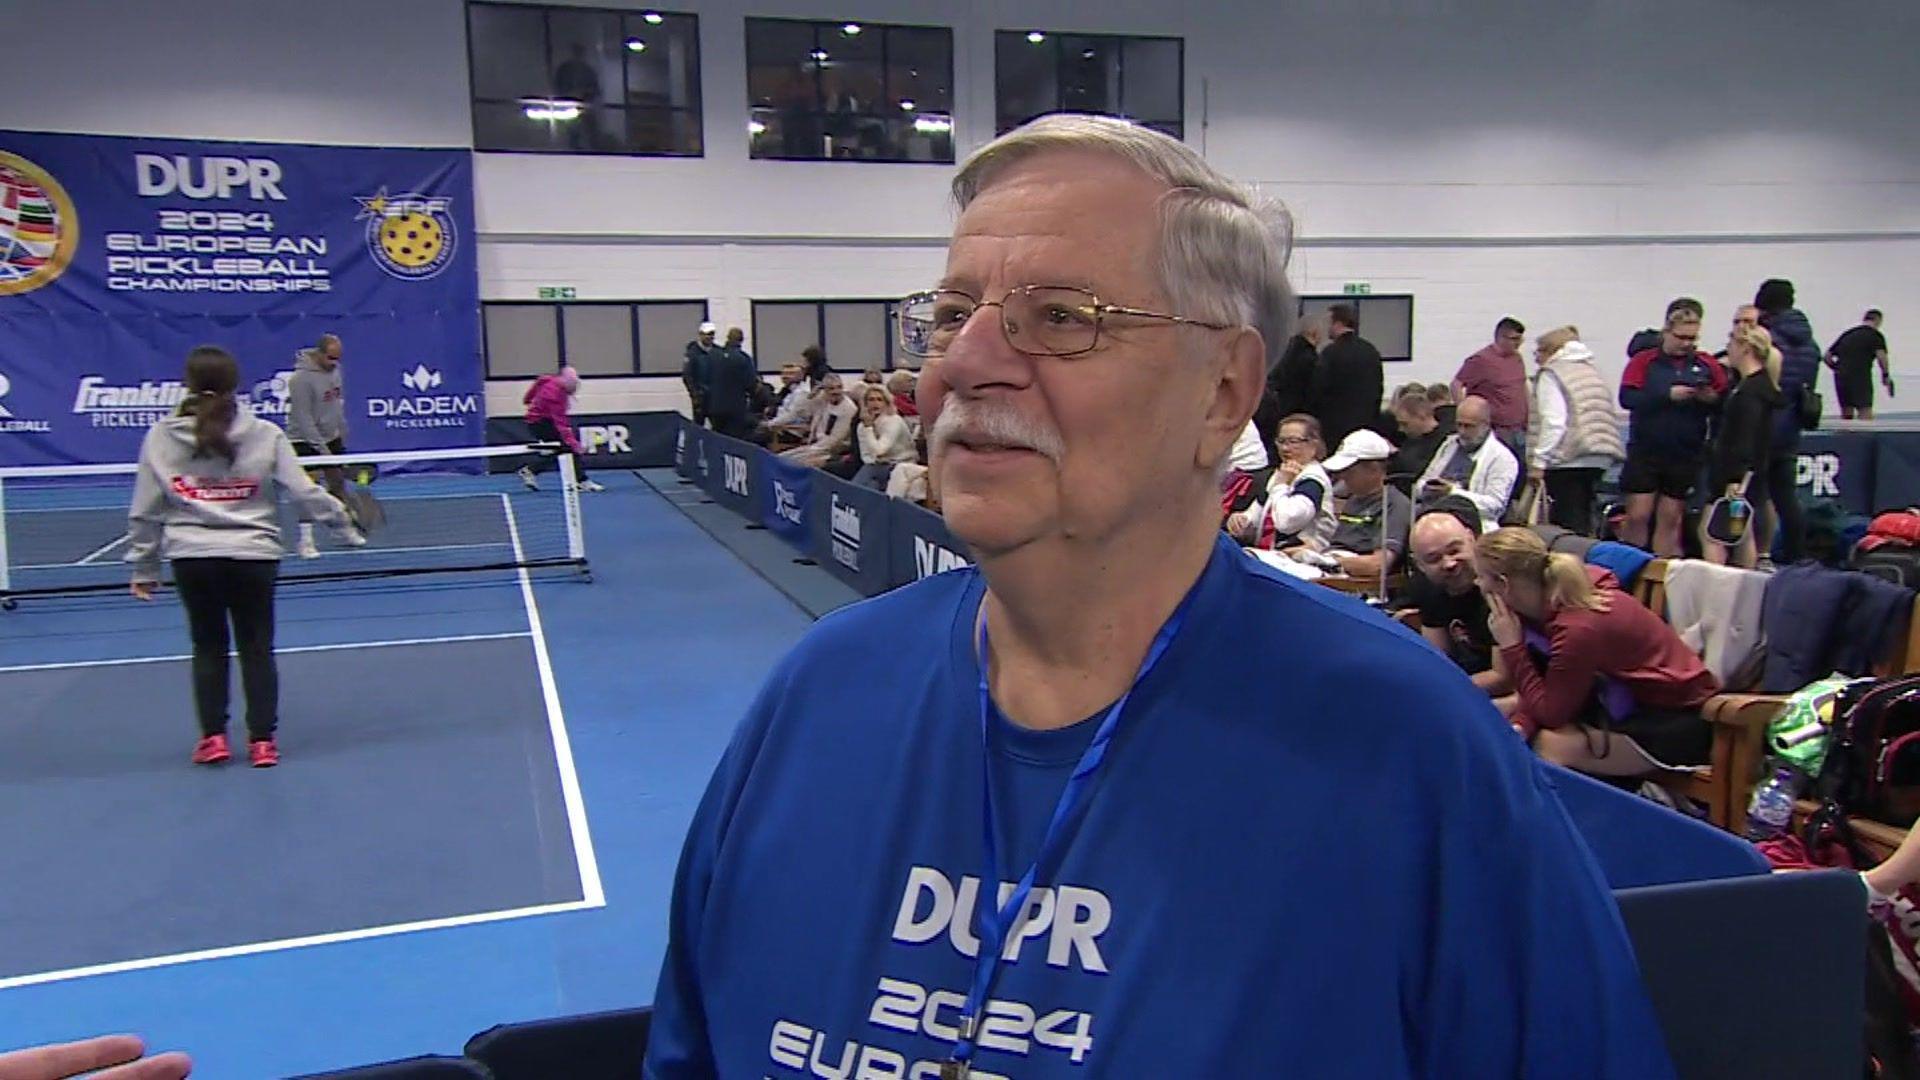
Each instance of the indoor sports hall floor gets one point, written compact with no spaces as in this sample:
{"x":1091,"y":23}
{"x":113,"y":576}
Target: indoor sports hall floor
{"x":456,"y":838}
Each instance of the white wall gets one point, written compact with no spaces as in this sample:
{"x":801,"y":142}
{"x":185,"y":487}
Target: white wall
{"x":1581,"y":161}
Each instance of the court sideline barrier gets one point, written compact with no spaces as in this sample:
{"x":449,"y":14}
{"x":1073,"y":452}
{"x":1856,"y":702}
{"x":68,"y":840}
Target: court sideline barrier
{"x":861,"y":536}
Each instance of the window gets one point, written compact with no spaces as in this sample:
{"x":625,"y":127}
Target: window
{"x":1139,"y":78}
{"x":849,"y":91}
{"x":600,"y":338}
{"x":854,"y":333}
{"x":1385,"y":321}
{"x":584,"y":80}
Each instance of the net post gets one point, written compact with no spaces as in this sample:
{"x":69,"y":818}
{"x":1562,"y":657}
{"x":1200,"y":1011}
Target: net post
{"x":570,"y":494}
{"x":6,"y":560}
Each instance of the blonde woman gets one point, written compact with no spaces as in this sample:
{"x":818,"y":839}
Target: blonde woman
{"x":1603,"y":685}
{"x":885,"y":439}
{"x":1575,"y":428}
{"x":1739,"y":462}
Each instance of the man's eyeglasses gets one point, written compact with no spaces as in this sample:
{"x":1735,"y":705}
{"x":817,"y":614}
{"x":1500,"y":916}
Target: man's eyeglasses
{"x":1039,"y":320}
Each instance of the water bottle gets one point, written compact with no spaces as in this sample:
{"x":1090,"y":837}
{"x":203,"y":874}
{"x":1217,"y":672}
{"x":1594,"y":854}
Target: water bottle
{"x":1771,"y":810}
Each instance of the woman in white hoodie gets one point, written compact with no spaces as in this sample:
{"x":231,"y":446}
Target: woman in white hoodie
{"x":1575,"y":428}
{"x":205,"y":498}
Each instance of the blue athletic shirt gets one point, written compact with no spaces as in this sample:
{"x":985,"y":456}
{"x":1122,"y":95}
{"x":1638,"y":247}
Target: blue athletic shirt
{"x":1314,"y":849}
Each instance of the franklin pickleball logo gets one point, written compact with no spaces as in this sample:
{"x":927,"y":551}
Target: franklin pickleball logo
{"x":409,"y":235}
{"x":39,"y":228}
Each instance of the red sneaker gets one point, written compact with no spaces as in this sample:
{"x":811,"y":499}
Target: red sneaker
{"x":265,"y":755}
{"x":211,"y":750}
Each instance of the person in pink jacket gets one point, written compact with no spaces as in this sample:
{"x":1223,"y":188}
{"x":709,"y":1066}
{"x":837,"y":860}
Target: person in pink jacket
{"x":547,"y":401}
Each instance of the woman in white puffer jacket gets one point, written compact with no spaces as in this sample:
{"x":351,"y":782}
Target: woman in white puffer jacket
{"x":1575,"y":430}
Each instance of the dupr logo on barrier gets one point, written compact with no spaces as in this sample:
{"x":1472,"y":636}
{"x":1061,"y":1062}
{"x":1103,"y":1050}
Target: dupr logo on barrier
{"x":734,"y":474}
{"x":1821,"y":472}
{"x":612,"y":439}
{"x":17,"y":425}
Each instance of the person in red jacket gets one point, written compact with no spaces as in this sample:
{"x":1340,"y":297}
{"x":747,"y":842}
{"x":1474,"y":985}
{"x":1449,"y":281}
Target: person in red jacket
{"x":547,"y":401}
{"x":1604,"y":686}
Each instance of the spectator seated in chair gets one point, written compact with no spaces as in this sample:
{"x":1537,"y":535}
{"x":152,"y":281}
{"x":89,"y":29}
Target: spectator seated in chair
{"x":1421,"y":435}
{"x":885,"y":440}
{"x":901,"y":385}
{"x":831,"y":430}
{"x":1471,"y":463}
{"x":1605,"y":687}
{"x":1296,"y":508}
{"x":1453,"y":612}
{"x":1361,"y":546}
{"x":791,"y":416}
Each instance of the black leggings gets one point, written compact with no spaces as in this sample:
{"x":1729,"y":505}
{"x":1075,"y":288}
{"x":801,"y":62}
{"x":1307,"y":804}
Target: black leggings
{"x":214,"y":590}
{"x":1790,"y":538}
{"x":1571,"y":491}
{"x":548,"y":431}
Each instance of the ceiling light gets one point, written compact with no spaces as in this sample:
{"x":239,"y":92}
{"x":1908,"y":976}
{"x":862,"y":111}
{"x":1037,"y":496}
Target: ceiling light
{"x":906,"y":104}
{"x":819,"y":55}
{"x":755,"y":127}
{"x":634,"y":44}
{"x":556,"y":109}
{"x":850,"y":29}
{"x":1036,"y":37}
{"x":1086,"y":54}
{"x":933,"y":125}
{"x":653,"y":18}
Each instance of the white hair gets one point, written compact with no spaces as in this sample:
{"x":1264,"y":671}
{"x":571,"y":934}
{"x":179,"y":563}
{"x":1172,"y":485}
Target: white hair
{"x":1223,"y":249}
{"x":992,"y":421}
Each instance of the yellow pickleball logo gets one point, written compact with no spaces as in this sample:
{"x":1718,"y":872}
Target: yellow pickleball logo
{"x":410,"y":236}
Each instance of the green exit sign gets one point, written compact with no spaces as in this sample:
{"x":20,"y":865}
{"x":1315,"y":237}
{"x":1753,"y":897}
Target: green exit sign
{"x":556,"y":292}
{"x":1358,"y":288}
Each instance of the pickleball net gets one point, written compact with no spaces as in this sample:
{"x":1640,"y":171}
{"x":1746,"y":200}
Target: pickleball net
{"x":63,"y":528}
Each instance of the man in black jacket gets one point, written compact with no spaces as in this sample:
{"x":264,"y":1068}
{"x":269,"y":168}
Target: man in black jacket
{"x":1347,"y":381}
{"x":1290,"y":383}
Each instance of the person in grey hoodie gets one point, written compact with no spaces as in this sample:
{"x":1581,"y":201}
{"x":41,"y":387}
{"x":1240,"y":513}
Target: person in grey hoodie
{"x":317,"y":420}
{"x":205,"y":498}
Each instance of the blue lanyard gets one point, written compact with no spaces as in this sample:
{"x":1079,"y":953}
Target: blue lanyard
{"x":995,"y":923}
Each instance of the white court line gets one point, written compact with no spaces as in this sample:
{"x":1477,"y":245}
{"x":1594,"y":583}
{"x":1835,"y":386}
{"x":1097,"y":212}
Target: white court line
{"x":122,"y":507}
{"x":277,"y":652}
{"x":370,"y":549}
{"x":590,"y":886}
{"x":101,"y":550}
{"x":281,"y":944}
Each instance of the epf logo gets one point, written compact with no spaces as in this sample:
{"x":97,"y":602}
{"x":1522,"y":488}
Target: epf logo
{"x":1819,"y":471}
{"x":614,"y":439}
{"x":734,"y":478}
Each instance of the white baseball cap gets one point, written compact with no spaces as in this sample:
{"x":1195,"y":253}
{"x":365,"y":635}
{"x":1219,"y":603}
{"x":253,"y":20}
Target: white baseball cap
{"x":1362,"y":445}
{"x":709,"y":328}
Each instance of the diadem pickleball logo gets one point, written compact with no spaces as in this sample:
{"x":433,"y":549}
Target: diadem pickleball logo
{"x":39,"y":228}
{"x":409,"y":235}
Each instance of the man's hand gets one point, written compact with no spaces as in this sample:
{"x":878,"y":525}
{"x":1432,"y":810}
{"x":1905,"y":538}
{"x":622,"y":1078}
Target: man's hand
{"x":1886,"y":382}
{"x":1706,"y":396}
{"x":1502,"y":623}
{"x":141,"y":590}
{"x":123,"y":1057}
{"x":1683,"y":393}
{"x":1435,"y":488}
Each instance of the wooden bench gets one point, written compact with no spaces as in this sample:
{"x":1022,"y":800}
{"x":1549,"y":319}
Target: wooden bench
{"x":1740,"y":722}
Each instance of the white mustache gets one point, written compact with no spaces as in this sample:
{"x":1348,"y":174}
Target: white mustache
{"x":1001,"y":425}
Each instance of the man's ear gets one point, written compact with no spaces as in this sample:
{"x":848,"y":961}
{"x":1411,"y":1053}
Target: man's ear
{"x":1238,"y":384}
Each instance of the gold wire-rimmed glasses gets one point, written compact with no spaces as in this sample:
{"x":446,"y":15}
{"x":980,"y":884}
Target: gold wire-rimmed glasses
{"x":1039,"y":320}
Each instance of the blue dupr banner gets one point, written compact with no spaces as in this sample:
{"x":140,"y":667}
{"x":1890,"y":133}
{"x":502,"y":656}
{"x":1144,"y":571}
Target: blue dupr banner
{"x":118,"y":255}
{"x":849,"y":526}
{"x":922,"y":544}
{"x":729,"y":480}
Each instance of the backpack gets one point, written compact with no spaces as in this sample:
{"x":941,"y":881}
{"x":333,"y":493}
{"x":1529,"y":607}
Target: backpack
{"x":1900,"y":565}
{"x":1872,"y":766}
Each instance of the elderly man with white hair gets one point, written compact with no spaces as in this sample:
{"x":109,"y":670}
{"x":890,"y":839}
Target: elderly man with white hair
{"x":1055,"y":835}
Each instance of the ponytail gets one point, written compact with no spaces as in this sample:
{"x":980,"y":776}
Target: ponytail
{"x":1520,"y":553}
{"x":1568,"y":585}
{"x":212,"y":378}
